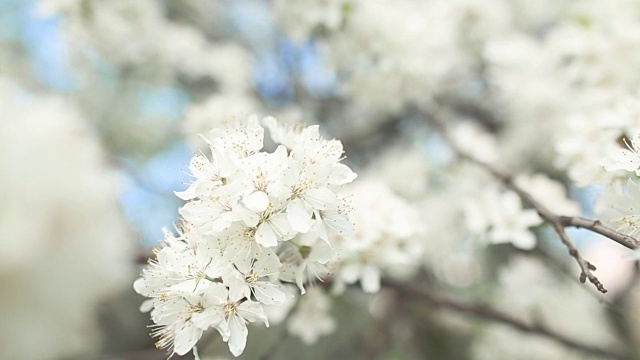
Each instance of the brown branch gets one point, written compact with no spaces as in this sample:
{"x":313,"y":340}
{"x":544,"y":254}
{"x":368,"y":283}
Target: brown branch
{"x":558,"y":222}
{"x":487,"y":313}
{"x":596,"y":226}
{"x":585,"y":266}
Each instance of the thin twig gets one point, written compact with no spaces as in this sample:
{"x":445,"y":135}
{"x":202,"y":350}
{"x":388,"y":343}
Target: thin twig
{"x":551,"y":260}
{"x":487,"y":313}
{"x":585,"y":266}
{"x":558,"y":222}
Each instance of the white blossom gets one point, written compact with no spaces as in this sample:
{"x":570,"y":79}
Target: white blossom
{"x":302,"y":264}
{"x":386,"y":239}
{"x":618,"y":205}
{"x":501,"y":218}
{"x":311,"y":319}
{"x":625,"y":159}
{"x":244,"y":207}
{"x":64,"y":243}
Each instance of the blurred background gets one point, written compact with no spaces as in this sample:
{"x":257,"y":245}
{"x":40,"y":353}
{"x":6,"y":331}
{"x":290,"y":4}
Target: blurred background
{"x":101,"y":107}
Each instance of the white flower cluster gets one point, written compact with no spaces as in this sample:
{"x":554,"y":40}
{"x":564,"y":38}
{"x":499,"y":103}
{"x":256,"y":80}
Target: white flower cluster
{"x":605,"y":149}
{"x":236,"y":240}
{"x":387,"y":238}
{"x":500,"y":217}
{"x":591,"y":149}
{"x":311,"y":319}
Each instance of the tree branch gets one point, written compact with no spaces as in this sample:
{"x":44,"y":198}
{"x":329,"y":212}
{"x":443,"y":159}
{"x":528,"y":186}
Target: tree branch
{"x":487,"y":313}
{"x":596,"y":226}
{"x":558,"y":222}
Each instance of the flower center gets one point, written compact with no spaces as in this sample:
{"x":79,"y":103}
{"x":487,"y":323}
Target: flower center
{"x":230,"y":308}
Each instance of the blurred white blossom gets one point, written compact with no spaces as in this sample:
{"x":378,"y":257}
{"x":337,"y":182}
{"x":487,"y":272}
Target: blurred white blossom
{"x":65,"y":245}
{"x":500,"y":218}
{"x":311,"y":319}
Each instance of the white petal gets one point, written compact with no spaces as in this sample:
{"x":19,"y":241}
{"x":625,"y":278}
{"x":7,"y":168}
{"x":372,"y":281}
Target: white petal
{"x":268,"y":293}
{"x":281,"y":226}
{"x":215,"y":294}
{"x":321,"y":252}
{"x":622,"y":160}
{"x":252,"y":312}
{"x":257,"y":201}
{"x":321,"y":198}
{"x":298,"y":216}
{"x":270,"y":123}
{"x":338,"y":224}
{"x":500,"y":235}
{"x":238,"y":338}
{"x":250,"y":218}
{"x":191,"y":286}
{"x":370,"y":280}
{"x":188,"y":194}
{"x":265,"y":236}
{"x":341,"y":174}
{"x":312,"y":132}
{"x":300,"y":278}
{"x":140,"y":288}
{"x":350,"y":273}
{"x":243,"y":263}
{"x":146,"y":306}
{"x":530,"y":218}
{"x":267,"y":263}
{"x":524,"y":240}
{"x":186,"y":337}
{"x":208,"y":318}
{"x":200,"y":166}
{"x":223,"y":329}
{"x":238,"y":287}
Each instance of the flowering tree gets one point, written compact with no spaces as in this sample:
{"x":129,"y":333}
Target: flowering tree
{"x":476,"y":157}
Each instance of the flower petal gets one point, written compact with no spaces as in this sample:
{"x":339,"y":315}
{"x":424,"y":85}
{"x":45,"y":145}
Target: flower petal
{"x":298,"y":216}
{"x":238,"y":338}
{"x":370,"y":280}
{"x":257,"y":201}
{"x":265,"y":236}
{"x":268,"y":293}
